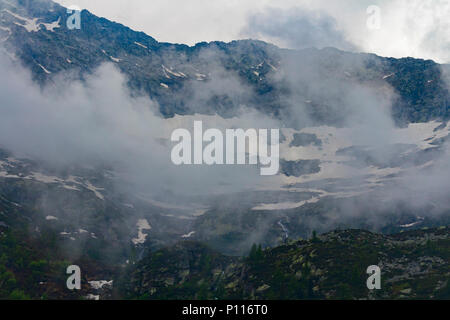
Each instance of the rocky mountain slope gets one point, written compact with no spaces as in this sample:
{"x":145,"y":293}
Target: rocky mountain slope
{"x":415,"y":265}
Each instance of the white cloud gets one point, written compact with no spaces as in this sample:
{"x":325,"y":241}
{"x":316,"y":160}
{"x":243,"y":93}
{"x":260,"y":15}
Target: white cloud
{"x":413,"y":28}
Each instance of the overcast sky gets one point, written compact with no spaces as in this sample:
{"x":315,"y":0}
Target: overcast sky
{"x":417,"y":28}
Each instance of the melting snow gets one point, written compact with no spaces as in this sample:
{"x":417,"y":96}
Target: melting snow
{"x":95,"y":190}
{"x":100,"y":284}
{"x":117,"y":60}
{"x":111,"y":57}
{"x":200,"y":76}
{"x":200,"y":212}
{"x":70,"y":188}
{"x":410,"y":225}
{"x":44,"y":178}
{"x":284,"y":205}
{"x":4,"y":174}
{"x":295,"y":205}
{"x":273,"y":68}
{"x":285,"y":230}
{"x":140,"y":45}
{"x":52,"y":26}
{"x":168,"y":71}
{"x":30,"y":24}
{"x":43,"y":68}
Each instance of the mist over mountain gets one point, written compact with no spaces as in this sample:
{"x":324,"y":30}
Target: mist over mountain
{"x":85,"y":126}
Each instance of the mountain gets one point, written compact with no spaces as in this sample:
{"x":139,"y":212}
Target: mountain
{"x":171,"y":73}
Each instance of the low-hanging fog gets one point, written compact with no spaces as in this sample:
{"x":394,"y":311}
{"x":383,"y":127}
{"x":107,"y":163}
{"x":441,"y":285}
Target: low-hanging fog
{"x":97,"y":122}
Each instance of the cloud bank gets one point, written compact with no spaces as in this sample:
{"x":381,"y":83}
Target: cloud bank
{"x":97,"y":122}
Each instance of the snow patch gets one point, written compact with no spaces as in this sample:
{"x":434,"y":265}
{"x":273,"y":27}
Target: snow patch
{"x":43,"y":68}
{"x":200,"y":212}
{"x":52,"y":26}
{"x":117,"y":60}
{"x":29,"y":24}
{"x":4,"y":174}
{"x":168,"y":71}
{"x":95,"y":190}
{"x":273,"y":68}
{"x":410,"y":225}
{"x":44,"y":178}
{"x":7,"y":30}
{"x":295,"y":205}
